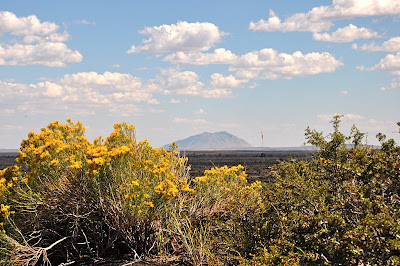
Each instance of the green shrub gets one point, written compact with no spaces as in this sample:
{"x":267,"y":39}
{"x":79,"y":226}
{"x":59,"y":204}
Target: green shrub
{"x":341,"y":207}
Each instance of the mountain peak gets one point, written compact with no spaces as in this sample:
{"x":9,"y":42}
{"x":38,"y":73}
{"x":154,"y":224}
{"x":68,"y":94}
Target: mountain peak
{"x":206,"y":140}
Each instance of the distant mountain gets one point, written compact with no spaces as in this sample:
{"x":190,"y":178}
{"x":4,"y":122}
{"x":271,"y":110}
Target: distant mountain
{"x":205,"y":141}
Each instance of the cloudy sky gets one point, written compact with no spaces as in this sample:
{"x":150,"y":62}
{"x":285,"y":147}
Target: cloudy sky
{"x":179,"y":68}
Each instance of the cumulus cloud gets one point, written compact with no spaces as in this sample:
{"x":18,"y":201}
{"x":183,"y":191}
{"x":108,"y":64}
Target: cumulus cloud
{"x":390,"y":63}
{"x":393,"y":85}
{"x":265,"y":64}
{"x":297,"y":22}
{"x":52,"y":38}
{"x":108,"y":81}
{"x":346,"y":34}
{"x":269,"y":64}
{"x":319,"y":18}
{"x":174,"y":101}
{"x":391,"y":45}
{"x":35,"y":42}
{"x":188,"y":83}
{"x":50,"y":89}
{"x":85,"y":88}
{"x":344,"y":9}
{"x":220,"y":81}
{"x":48,"y":54}
{"x":110,"y":88}
{"x":153,"y":101}
{"x":219,"y":56}
{"x":183,"y":36}
{"x":19,"y":26}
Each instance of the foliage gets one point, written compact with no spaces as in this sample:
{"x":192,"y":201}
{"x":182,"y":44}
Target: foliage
{"x":104,"y":194}
{"x":119,"y":198}
{"x":341,"y":207}
{"x":115,"y":198}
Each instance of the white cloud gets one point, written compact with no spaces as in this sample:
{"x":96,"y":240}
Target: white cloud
{"x":297,"y":22}
{"x":393,"y":85}
{"x":265,"y":64}
{"x":50,"y":89}
{"x":53,"y":38}
{"x":391,"y":45}
{"x":174,"y":101}
{"x":345,"y":9}
{"x":116,"y":66}
{"x":89,"y":89}
{"x":109,"y":81}
{"x":246,"y":74}
{"x":273,"y":65}
{"x":254,"y":85}
{"x":346,"y":34}
{"x":219,"y":56}
{"x":20,"y":26}
{"x":188,"y":83}
{"x":48,"y":54}
{"x":178,"y":120}
{"x":200,"y":112}
{"x":141,"y":68}
{"x":344,"y":92}
{"x":85,"y":22}
{"x":319,"y":18}
{"x":126,"y":110}
{"x":390,"y":63}
{"x":153,"y":101}
{"x":35,"y":43}
{"x":183,"y":36}
{"x":229,"y":82}
{"x":352,"y":117}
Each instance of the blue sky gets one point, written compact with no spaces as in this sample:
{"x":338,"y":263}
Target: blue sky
{"x":179,"y":68}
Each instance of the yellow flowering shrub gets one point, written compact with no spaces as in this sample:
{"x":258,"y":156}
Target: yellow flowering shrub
{"x":56,"y":147}
{"x":120,"y":190}
{"x":156,"y":176}
{"x":11,"y":181}
{"x":144,"y":177}
{"x":227,"y":182}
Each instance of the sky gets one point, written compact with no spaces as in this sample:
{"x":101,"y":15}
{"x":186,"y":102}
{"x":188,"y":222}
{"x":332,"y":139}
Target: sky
{"x":179,"y":68}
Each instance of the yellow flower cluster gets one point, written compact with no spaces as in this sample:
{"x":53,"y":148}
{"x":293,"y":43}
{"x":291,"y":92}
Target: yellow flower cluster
{"x":95,"y":157}
{"x":166,"y":188}
{"x":118,"y":151}
{"x":10,"y":181}
{"x":223,"y":176}
{"x":5,"y":211}
{"x":228,"y":182}
{"x":55,"y":146}
{"x":157,"y":177}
